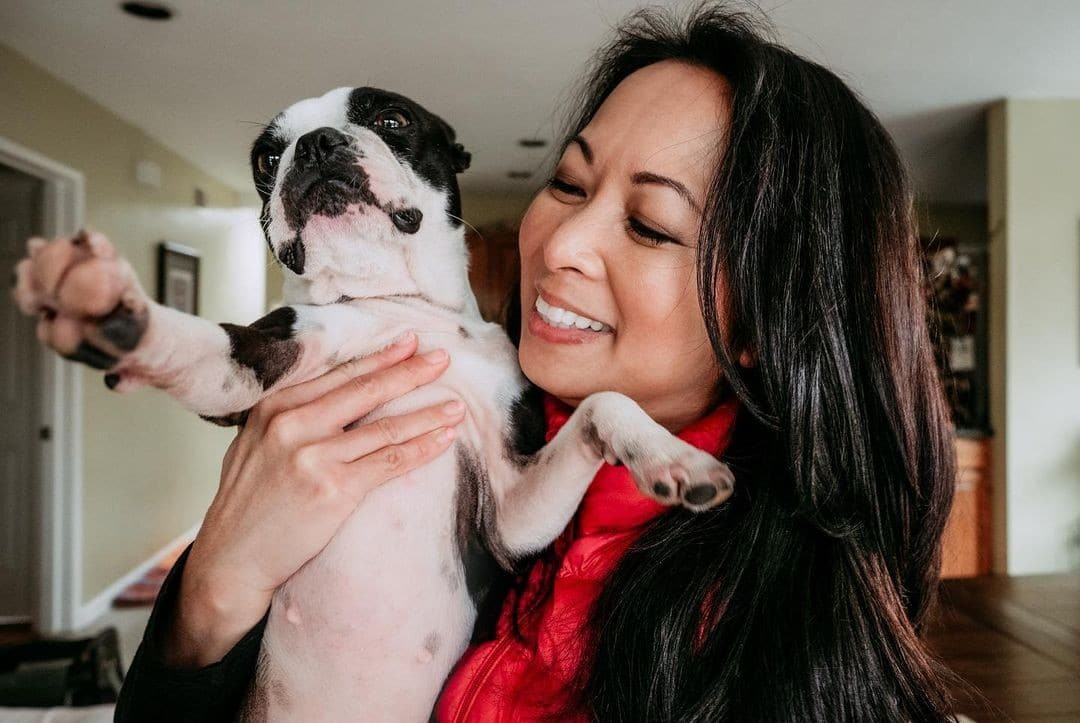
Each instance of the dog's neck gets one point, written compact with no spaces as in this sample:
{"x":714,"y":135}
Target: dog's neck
{"x":434,"y":269}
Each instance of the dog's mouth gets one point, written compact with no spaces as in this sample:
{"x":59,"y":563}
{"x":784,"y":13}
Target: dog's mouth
{"x":322,"y":185}
{"x":314,"y":193}
{"x":324,"y":190}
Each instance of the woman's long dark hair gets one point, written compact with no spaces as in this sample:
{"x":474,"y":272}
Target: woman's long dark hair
{"x":800,"y":599}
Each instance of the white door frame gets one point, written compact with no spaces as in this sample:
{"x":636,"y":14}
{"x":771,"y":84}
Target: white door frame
{"x":60,"y":461}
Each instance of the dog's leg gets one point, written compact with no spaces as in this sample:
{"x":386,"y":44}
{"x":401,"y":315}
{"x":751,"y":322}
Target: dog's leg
{"x":93,"y":310}
{"x":542,"y":497}
{"x":222,"y":370}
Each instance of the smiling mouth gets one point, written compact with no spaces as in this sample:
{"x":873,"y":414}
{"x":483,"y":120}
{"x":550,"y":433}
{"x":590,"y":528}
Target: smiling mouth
{"x":565,"y":319}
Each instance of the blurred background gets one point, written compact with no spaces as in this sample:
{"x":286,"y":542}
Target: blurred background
{"x":137,"y":121}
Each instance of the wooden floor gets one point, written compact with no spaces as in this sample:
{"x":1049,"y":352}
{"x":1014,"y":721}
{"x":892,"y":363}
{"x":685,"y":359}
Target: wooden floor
{"x":1017,"y":641}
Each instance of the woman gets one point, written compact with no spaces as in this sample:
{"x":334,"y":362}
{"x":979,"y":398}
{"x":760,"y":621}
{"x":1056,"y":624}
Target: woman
{"x":744,"y":225}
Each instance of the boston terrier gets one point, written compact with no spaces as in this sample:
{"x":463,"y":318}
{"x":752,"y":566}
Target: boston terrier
{"x":362,"y":209}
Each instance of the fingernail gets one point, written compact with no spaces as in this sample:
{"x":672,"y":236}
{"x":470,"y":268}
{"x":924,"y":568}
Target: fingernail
{"x":405,"y":340}
{"x":435,"y":357}
{"x":452,"y":409}
{"x":445,"y":435}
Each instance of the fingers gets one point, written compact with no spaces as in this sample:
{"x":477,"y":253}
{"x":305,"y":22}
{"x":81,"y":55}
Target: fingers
{"x":389,"y":462}
{"x":362,"y":393}
{"x":312,"y":389}
{"x":391,"y":431}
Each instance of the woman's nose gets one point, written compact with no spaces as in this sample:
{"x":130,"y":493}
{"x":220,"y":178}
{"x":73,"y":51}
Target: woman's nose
{"x":576,"y":244}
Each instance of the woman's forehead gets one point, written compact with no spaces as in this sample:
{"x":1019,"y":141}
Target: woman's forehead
{"x":669,"y":115}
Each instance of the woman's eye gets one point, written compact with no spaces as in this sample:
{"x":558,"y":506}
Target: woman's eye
{"x":556,"y":184}
{"x":267,"y":162}
{"x":648,"y":234}
{"x":391,"y":119}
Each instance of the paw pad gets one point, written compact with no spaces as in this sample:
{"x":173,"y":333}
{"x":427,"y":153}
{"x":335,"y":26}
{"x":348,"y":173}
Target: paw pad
{"x":701,"y":494}
{"x":122,"y":327}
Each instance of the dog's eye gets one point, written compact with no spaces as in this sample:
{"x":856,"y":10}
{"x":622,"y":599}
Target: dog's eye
{"x":391,"y":119}
{"x":267,"y":161}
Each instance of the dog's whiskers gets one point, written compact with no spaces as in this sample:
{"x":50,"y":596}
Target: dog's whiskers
{"x":474,"y":229}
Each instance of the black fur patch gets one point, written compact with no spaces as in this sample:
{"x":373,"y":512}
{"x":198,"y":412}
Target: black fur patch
{"x":293,"y":256}
{"x":427,"y":144}
{"x":123,"y":327}
{"x":527,"y":423}
{"x":267,"y":346}
{"x":91,"y":355}
{"x":326,"y":188}
{"x":479,"y":547}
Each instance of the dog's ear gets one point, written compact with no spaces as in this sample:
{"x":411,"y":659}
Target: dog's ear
{"x":460,"y":157}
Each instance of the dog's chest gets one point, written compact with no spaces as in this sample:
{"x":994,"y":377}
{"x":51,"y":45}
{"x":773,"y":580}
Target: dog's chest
{"x":384,"y":611}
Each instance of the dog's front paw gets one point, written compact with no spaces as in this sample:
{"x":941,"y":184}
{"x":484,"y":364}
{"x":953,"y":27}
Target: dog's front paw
{"x":673,"y":472}
{"x":90,"y":306}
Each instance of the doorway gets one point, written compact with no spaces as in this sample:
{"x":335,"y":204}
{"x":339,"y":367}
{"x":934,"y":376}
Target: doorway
{"x":22,"y":209}
{"x":41,"y":414}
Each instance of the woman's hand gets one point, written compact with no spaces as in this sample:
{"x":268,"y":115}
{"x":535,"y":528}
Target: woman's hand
{"x":289,"y":480}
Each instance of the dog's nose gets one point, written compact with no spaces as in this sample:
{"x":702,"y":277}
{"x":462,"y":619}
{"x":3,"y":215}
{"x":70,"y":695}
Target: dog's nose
{"x":315,"y":147}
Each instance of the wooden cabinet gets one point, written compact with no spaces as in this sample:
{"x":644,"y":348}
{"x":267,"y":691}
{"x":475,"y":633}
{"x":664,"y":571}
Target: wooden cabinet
{"x":967,"y":535}
{"x":493,"y":268}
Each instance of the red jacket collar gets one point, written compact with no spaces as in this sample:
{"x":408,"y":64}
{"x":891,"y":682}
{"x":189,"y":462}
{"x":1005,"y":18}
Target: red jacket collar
{"x":613,"y":503}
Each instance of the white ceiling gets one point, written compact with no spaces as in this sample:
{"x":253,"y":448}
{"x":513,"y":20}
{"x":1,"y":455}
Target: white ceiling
{"x":497,"y":69}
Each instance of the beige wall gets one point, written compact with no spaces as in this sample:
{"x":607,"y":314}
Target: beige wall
{"x":150,"y":468}
{"x":966,"y":222}
{"x":1034,"y":221}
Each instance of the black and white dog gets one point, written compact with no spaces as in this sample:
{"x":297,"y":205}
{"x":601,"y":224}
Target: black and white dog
{"x":361,"y":206}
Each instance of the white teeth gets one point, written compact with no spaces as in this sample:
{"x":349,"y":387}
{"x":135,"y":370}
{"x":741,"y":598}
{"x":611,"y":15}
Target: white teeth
{"x":566,"y":319}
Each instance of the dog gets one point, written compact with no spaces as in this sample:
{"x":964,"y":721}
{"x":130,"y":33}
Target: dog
{"x":361,"y":207}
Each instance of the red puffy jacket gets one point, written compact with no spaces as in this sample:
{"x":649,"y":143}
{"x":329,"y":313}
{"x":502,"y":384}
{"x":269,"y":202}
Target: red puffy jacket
{"x":511,"y":680}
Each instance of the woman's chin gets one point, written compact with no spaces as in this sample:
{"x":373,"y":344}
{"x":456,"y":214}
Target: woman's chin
{"x":546,"y":366}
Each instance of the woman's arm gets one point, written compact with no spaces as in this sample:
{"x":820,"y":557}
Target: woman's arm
{"x":289,"y":479}
{"x":155,"y":690}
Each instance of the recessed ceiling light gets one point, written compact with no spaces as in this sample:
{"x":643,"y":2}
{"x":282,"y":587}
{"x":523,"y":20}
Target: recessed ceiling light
{"x":519,"y":175}
{"x":532,"y":142}
{"x":147,"y":11}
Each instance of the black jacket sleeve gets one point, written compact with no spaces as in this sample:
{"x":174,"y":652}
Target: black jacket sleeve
{"x":155,"y":693}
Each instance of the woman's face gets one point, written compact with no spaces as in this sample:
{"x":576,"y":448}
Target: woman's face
{"x":612,"y":240}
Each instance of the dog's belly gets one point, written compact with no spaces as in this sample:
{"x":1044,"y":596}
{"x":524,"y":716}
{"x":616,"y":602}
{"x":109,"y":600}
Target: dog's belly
{"x":371,"y":627}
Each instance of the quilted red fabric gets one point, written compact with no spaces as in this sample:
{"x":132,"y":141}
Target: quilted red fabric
{"x":513,"y":680}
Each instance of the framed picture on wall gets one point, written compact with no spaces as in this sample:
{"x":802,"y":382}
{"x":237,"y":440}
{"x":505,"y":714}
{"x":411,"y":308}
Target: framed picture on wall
{"x":178,"y":277}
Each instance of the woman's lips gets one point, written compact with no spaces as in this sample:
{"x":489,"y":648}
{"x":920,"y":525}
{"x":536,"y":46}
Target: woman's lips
{"x":541,"y":329}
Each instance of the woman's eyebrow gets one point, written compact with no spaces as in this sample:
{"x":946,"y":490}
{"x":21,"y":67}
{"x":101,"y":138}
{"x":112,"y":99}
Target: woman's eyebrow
{"x":586,"y":149}
{"x":641,"y":177}
{"x":644,"y":177}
